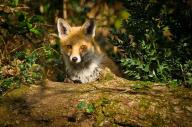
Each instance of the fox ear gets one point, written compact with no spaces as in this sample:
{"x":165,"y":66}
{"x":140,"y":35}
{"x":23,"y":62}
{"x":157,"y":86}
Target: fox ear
{"x":63,"y":27}
{"x":89,"y":28}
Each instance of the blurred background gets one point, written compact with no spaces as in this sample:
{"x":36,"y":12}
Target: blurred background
{"x":149,"y":40}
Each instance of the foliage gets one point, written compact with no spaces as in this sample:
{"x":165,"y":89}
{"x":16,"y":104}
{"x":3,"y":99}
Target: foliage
{"x":156,"y":41}
{"x":107,"y":13}
{"x":88,"y":108}
{"x":25,"y":52}
{"x":27,"y":68}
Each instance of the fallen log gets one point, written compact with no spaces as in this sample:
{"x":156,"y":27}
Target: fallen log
{"x":112,"y":101}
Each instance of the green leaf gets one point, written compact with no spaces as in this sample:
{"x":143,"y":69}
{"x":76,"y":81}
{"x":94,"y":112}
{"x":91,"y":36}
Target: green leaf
{"x":105,"y":101}
{"x":22,"y":67}
{"x":21,"y":16}
{"x":35,"y":31}
{"x":29,"y":25}
{"x":125,"y":14}
{"x":37,"y":18}
{"x":90,"y":108}
{"x":81,"y":105}
{"x":14,"y":3}
{"x":118,"y":23}
{"x":146,"y":68}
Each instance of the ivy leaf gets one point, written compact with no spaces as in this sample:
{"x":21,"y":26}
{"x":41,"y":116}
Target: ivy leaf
{"x":90,"y":108}
{"x":35,"y":31}
{"x":81,"y":105}
{"x":167,"y":33}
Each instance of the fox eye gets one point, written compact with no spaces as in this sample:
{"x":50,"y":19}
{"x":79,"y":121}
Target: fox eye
{"x":69,"y":46}
{"x":83,"y":47}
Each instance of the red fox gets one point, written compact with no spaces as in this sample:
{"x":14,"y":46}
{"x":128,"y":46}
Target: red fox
{"x":83,"y":58}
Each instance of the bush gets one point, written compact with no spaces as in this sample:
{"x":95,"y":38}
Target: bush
{"x":156,"y":41}
{"x":26,"y":53}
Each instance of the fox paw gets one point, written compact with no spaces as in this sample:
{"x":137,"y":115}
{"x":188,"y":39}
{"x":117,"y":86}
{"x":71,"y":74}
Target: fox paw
{"x":67,"y":80}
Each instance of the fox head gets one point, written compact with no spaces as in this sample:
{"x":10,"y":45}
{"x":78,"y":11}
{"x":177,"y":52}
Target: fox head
{"x":76,"y":42}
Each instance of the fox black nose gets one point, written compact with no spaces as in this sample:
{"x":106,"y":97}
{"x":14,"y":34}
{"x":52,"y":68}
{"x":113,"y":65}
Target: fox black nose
{"x":74,"y":59}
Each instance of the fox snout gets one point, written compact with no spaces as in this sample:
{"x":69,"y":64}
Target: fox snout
{"x":74,"y":54}
{"x":75,"y":59}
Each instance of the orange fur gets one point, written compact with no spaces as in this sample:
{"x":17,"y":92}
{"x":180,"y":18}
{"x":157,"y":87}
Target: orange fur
{"x":81,"y":53}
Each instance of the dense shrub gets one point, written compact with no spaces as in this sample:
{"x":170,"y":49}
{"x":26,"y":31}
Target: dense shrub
{"x":26,"y":54}
{"x":155,"y":41}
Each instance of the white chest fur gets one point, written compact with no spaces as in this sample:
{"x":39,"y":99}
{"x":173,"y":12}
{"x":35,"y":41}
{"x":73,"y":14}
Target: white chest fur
{"x":86,"y":74}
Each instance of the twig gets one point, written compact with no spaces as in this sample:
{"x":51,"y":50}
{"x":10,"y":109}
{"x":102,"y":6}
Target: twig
{"x":65,"y":9}
{"x":183,"y":74}
{"x":15,"y":49}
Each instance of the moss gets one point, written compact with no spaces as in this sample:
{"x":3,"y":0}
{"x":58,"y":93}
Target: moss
{"x":157,"y":120}
{"x":106,"y":110}
{"x":141,"y":86}
{"x":108,"y":76}
{"x":8,"y":103}
{"x":99,"y":114}
{"x":148,"y":83}
{"x":144,"y":104}
{"x":18,"y":92}
{"x":100,"y":117}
